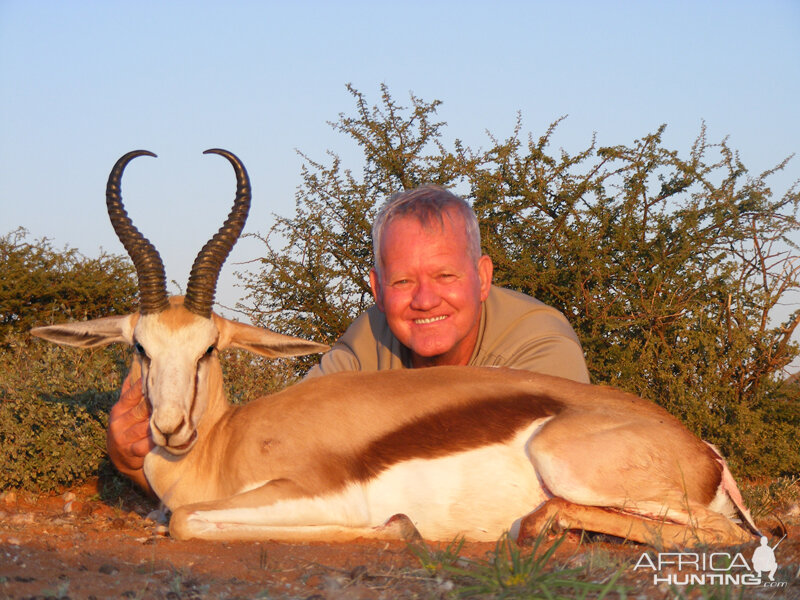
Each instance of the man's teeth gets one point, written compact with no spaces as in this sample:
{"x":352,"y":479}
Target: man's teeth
{"x":429,"y":320}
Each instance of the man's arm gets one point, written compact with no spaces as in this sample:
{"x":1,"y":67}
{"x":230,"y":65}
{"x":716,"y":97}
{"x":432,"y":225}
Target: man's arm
{"x":128,"y":437}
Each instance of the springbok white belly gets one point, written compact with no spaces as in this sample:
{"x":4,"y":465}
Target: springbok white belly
{"x":478,"y":493}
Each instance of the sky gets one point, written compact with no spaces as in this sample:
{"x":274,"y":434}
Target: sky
{"x":82,"y":82}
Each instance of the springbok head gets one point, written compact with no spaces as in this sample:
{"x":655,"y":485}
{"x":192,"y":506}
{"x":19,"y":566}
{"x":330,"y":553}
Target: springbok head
{"x":176,"y":339}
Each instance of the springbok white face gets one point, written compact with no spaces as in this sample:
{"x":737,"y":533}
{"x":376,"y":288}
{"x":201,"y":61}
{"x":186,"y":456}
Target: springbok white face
{"x":176,"y":349}
{"x":176,"y":339}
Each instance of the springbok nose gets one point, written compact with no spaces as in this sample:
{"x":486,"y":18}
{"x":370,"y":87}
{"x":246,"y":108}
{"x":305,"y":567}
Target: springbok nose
{"x":168,"y":429}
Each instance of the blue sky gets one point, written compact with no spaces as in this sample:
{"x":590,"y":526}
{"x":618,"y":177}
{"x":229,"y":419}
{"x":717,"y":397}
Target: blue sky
{"x":83,"y":82}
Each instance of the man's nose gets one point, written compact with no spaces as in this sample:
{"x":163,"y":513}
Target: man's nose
{"x":425,"y":296}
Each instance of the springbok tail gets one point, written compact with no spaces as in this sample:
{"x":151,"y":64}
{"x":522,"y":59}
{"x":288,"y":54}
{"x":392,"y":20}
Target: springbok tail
{"x":728,"y":486}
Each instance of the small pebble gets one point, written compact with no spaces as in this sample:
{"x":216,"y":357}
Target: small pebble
{"x":22,"y":519}
{"x":108,"y":569}
{"x":159,"y":516}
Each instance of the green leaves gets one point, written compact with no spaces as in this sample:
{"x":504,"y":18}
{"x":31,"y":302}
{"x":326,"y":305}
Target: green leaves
{"x":54,"y":405}
{"x":53,"y":401}
{"x":40,"y":285}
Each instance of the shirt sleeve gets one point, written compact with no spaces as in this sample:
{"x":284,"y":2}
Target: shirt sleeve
{"x":553,"y":355}
{"x":367,"y":345}
{"x":337,"y":359}
{"x":524,"y":333}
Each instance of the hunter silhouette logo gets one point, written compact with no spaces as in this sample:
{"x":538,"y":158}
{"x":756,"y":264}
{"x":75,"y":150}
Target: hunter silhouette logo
{"x":764,"y":558}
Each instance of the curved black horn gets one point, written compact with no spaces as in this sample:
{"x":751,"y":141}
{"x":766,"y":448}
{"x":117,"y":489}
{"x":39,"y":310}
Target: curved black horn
{"x":205,"y":270}
{"x":149,"y":268}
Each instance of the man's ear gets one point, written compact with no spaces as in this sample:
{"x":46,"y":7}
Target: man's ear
{"x":90,"y":334}
{"x":262,"y":341}
{"x":375,"y":286}
{"x":485,"y":273}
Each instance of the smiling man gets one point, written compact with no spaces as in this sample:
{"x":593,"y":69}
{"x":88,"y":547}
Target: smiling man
{"x":435,"y":305}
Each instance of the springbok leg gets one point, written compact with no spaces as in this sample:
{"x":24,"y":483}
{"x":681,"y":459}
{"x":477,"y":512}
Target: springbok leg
{"x":705,"y":527}
{"x":281,"y":510}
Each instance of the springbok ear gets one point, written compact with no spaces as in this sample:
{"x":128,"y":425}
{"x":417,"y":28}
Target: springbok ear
{"x":90,"y":334}
{"x":262,"y":341}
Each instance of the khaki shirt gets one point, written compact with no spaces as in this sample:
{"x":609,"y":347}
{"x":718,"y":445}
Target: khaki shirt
{"x":515,"y":331}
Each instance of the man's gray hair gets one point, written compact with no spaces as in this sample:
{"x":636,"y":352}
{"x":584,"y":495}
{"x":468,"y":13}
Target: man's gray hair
{"x":429,"y":205}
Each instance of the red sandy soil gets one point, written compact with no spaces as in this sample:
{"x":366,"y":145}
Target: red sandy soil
{"x":76,"y":546}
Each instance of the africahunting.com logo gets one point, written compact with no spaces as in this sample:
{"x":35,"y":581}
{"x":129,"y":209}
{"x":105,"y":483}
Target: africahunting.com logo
{"x":713,"y":568}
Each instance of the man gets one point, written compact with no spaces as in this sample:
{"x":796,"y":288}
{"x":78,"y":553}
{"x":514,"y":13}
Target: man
{"x":435,"y":305}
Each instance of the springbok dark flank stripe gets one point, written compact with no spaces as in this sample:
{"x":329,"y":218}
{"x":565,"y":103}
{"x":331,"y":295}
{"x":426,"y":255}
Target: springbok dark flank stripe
{"x":450,"y":431}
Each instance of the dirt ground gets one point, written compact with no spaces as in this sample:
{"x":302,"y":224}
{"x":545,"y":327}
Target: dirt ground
{"x":74,"y":545}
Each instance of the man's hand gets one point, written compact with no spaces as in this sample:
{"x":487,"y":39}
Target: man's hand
{"x":128,"y":438}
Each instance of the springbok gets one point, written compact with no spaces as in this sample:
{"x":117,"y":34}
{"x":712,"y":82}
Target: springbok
{"x":456,"y":450}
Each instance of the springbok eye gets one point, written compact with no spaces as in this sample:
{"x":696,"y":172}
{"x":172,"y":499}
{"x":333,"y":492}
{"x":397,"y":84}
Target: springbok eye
{"x":139,"y":349}
{"x":210,"y":350}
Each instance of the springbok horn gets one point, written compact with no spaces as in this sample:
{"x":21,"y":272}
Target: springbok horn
{"x":205,"y":270}
{"x":149,"y":268}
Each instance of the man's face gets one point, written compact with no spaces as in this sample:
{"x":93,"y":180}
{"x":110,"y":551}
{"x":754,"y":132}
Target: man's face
{"x":430,"y":289}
